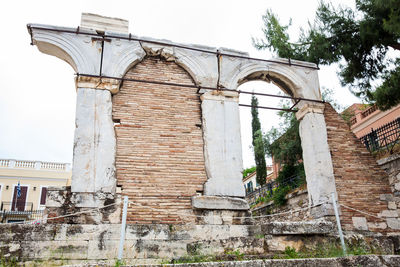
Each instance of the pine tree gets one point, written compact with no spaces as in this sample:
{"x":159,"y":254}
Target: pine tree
{"x":258,"y":143}
{"x":358,"y":39}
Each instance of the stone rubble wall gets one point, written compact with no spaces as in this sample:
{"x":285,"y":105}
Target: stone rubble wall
{"x":360,"y":182}
{"x":145,"y":244}
{"x":61,"y":201}
{"x":391,"y":165}
{"x":296,"y":200}
{"x":160,"y":159}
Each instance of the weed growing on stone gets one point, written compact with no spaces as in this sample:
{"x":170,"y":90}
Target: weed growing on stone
{"x":230,"y":254}
{"x":8,"y":262}
{"x":260,"y":236}
{"x":192,"y":259}
{"x":236,"y":253}
{"x":323,"y":251}
{"x":119,"y":263}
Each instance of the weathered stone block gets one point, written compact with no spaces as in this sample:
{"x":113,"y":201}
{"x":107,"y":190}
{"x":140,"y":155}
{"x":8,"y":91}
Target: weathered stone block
{"x":360,"y":223}
{"x":397,"y":186}
{"x":392,"y":205}
{"x":298,"y":228}
{"x":102,"y":23}
{"x":55,"y":249}
{"x":393,"y":223}
{"x":389,"y":213}
{"x":386,"y":197}
{"x":219,"y":203}
{"x":380,"y":225}
{"x":279,"y":243}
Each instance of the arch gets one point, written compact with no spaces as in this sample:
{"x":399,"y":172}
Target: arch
{"x":202,"y":67}
{"x":76,"y":50}
{"x":293,"y":80}
{"x":120,"y":56}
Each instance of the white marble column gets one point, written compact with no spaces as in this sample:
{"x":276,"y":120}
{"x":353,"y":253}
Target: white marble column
{"x":94,"y":142}
{"x":316,"y":154}
{"x":222,"y":144}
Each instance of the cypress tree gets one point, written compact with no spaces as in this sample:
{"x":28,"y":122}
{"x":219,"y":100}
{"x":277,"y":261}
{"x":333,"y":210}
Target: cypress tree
{"x":258,"y":143}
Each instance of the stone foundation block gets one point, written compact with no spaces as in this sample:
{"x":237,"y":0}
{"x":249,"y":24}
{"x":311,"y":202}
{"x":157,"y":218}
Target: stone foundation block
{"x":219,"y":203}
{"x":298,"y":228}
{"x":392,"y":205}
{"x":360,"y":223}
{"x":393,"y":223}
{"x":389,"y":213}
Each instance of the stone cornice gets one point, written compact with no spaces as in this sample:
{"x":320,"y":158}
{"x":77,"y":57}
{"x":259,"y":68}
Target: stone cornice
{"x":307,"y":108}
{"x":221,"y":95}
{"x":98,"y":83}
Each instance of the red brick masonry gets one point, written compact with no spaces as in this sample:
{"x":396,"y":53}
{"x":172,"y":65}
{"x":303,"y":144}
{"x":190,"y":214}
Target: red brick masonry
{"x":160,"y":161}
{"x":359,"y":179}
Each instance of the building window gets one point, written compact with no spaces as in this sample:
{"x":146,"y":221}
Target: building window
{"x":19,"y":203}
{"x":250,"y":186}
{"x":43,"y":195}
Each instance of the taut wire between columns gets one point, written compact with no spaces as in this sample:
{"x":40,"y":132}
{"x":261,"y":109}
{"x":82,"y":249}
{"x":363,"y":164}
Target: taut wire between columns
{"x":291,"y":109}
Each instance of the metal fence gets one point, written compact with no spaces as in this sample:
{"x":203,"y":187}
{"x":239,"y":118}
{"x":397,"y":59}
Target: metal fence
{"x":268,"y":188}
{"x":19,"y":213}
{"x":384,"y":137}
{"x":30,"y":216}
{"x":16,"y":206}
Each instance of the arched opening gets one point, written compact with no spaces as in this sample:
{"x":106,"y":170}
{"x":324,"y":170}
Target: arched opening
{"x":268,"y":118}
{"x":275,"y":126}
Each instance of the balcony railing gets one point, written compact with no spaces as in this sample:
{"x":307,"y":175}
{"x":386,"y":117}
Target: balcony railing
{"x":369,"y":111}
{"x":12,"y":206}
{"x":31,"y":216}
{"x":19,"y":213}
{"x":38,"y":165}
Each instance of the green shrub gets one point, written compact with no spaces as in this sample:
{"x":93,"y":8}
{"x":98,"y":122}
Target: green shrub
{"x":279,"y":196}
{"x":291,"y":253}
{"x":248,"y":171}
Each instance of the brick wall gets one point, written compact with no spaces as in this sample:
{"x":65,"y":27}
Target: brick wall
{"x":160,"y":161}
{"x":360,"y":182}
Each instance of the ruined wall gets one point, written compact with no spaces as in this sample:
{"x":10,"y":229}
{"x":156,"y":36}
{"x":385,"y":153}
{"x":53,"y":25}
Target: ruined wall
{"x":391,"y":165}
{"x":360,"y":182}
{"x":61,"y":244}
{"x":294,"y":210}
{"x":160,"y":161}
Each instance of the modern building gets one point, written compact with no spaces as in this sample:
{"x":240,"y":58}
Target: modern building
{"x":23,"y":186}
{"x":250,"y":182}
{"x":367,"y":118}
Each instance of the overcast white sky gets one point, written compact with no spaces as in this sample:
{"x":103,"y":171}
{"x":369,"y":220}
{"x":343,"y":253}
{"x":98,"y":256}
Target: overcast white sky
{"x":37,"y":100}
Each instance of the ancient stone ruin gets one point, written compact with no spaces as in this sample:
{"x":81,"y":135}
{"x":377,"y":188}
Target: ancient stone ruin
{"x":166,"y":145}
{"x":158,"y":122}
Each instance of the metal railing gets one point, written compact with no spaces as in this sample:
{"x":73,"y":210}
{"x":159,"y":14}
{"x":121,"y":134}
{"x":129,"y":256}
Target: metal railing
{"x":19,"y":206}
{"x":19,"y":212}
{"x":369,"y":111}
{"x":30,"y":216}
{"x":383,"y":137}
{"x":268,"y":188}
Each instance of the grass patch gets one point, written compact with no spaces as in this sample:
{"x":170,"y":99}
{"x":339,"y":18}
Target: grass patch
{"x":8,"y":262}
{"x":330,"y":250}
